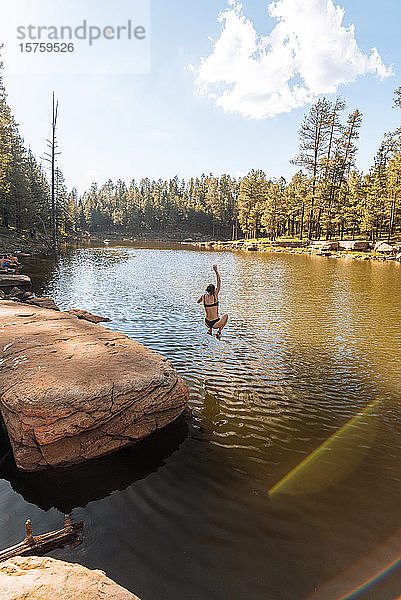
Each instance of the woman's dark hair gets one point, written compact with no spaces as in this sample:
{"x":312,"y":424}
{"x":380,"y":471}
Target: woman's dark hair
{"x":210,"y":288}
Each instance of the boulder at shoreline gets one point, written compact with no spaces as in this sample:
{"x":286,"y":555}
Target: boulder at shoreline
{"x":384,"y":247}
{"x":44,"y":578}
{"x":361,"y":245}
{"x":71,"y":390}
{"x":9,"y":281}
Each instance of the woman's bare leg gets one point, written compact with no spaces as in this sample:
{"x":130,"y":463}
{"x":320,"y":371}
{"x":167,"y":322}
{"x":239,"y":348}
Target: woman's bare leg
{"x":222,"y":322}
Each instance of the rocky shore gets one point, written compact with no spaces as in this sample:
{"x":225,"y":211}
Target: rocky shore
{"x":43,"y":578}
{"x":354,"y":249}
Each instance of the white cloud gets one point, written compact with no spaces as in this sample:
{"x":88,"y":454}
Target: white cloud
{"x":309,"y":52}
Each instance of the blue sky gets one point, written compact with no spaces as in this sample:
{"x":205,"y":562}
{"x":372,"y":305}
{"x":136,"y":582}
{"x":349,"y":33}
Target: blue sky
{"x":159,"y":124}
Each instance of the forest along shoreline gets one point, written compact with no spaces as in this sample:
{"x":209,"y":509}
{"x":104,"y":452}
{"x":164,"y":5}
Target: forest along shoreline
{"x":328,"y":197}
{"x":354,"y":249}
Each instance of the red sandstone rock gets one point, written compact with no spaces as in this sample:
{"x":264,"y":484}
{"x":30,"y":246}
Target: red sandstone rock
{"x":8,"y":281}
{"x":43,"y":578}
{"x":70,"y":390}
{"x":87,"y":316}
{"x":43,"y":303}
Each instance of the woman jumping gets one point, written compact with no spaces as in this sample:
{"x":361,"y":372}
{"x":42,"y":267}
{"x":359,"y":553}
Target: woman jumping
{"x":211,"y":302}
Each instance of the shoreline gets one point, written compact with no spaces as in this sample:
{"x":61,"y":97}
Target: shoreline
{"x":381,"y":251}
{"x":13,"y":243}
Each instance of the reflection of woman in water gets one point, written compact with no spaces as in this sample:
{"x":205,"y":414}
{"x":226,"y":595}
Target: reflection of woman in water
{"x":211,"y":303}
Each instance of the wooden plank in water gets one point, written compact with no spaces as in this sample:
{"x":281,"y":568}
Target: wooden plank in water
{"x":40,"y":544}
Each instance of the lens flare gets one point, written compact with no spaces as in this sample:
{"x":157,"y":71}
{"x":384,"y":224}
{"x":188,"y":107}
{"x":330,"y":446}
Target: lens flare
{"x":364,"y":574}
{"x":335,"y":459}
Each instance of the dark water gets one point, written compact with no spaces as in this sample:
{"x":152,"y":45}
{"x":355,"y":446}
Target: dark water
{"x":186,"y":514}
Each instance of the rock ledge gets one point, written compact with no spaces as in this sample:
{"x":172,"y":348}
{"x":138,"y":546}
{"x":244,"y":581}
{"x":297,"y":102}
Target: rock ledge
{"x":71,"y":390}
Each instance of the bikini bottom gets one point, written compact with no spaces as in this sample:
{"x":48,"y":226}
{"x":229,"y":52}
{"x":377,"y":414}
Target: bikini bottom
{"x":211,"y":323}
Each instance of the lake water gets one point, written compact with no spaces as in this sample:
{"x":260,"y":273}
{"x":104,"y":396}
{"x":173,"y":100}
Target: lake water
{"x":186,"y":514}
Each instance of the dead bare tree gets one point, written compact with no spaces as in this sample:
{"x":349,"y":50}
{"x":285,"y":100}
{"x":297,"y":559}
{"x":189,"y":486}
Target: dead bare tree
{"x":51,"y":158}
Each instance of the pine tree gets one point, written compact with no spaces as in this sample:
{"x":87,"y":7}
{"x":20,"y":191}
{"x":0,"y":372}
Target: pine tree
{"x":314,"y":138}
{"x":252,"y":195}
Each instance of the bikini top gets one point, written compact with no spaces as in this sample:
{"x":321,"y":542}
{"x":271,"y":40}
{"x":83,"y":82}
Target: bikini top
{"x":214,"y":304}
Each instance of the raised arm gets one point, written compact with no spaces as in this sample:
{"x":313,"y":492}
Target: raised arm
{"x":218,"y":279}
{"x":200,"y":299}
